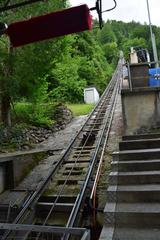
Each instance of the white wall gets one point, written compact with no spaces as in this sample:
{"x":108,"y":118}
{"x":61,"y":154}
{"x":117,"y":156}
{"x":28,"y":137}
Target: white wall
{"x":91,"y":95}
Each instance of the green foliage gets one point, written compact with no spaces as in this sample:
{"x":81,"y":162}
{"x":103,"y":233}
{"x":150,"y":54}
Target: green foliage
{"x":57,"y":69}
{"x":80,"y":109}
{"x":69,"y":86}
{"x":134,"y":34}
{"x":111,"y":51}
{"x":106,"y":35}
{"x":83,"y":64}
{"x":35,"y":114}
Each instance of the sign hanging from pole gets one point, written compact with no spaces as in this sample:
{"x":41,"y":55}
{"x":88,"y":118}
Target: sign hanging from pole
{"x":67,"y":21}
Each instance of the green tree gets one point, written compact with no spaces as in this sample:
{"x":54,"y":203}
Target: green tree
{"x":22,"y":71}
{"x":106,"y":35}
{"x":111,"y":52}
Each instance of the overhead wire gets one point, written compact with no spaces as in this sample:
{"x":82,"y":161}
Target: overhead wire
{"x":98,"y":8}
{"x":110,"y":9}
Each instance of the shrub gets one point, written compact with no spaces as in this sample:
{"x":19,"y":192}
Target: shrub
{"x":29,"y":113}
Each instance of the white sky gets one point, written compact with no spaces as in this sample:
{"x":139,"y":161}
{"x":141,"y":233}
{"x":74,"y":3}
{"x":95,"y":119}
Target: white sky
{"x":127,"y":10}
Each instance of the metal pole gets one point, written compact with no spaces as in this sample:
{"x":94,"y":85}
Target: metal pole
{"x":155,"y":50}
{"x":152,"y":36}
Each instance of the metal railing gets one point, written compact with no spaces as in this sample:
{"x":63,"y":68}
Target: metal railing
{"x":48,"y":232}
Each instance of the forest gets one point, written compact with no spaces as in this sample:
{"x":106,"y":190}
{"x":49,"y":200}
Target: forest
{"x":36,"y":77}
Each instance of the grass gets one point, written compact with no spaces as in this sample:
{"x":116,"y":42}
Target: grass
{"x":43,"y":114}
{"x":80,"y":109}
{"x":38,"y":115}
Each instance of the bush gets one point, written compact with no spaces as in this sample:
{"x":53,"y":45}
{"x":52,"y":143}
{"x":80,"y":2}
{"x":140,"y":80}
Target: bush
{"x":35,"y":114}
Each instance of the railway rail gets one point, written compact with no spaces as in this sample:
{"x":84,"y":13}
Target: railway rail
{"x":70,"y":181}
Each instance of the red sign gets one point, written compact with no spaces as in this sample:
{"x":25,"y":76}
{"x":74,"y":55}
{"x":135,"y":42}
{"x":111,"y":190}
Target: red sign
{"x":67,"y":21}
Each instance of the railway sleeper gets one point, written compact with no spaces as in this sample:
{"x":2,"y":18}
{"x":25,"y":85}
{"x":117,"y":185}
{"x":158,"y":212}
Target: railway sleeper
{"x":81,"y":155}
{"x":68,"y":182}
{"x":44,"y":207}
{"x":77,"y":161}
{"x":83,"y":151}
{"x":61,"y":198}
{"x":85,"y":147}
{"x":92,"y":124}
{"x":79,"y":167}
{"x":73,"y":173}
{"x":94,"y":130}
{"x":96,"y":118}
{"x":75,"y":168}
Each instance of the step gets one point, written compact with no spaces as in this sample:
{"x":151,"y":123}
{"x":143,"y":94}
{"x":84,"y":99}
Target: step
{"x":109,"y":233}
{"x":134,"y":193}
{"x":136,"y":165}
{"x":139,"y":144}
{"x":141,"y":136}
{"x":132,"y":214}
{"x":142,"y":154}
{"x":139,"y":177}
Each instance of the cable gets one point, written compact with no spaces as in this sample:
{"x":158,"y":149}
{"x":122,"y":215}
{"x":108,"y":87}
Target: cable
{"x":110,"y":9}
{"x":98,"y":8}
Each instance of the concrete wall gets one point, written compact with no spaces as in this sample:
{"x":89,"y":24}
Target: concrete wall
{"x":14,"y":167}
{"x":91,"y":95}
{"x":23,"y":164}
{"x":141,"y":110}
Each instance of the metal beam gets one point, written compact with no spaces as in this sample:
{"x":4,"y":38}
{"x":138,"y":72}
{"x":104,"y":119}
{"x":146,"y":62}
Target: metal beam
{"x":154,"y":48}
{"x":43,"y":229}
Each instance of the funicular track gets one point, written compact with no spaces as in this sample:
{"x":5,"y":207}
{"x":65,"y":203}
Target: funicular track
{"x":69,"y":182}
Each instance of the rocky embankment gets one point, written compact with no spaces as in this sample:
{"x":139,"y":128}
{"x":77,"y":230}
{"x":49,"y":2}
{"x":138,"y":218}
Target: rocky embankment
{"x":20,"y":138}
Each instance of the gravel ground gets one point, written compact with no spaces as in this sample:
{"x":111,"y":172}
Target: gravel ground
{"x":62,"y":138}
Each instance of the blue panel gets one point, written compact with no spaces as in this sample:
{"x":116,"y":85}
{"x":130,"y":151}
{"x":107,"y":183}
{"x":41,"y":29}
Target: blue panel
{"x":154,"y":79}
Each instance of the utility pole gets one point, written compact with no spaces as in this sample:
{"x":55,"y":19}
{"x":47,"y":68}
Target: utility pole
{"x":154,"y":48}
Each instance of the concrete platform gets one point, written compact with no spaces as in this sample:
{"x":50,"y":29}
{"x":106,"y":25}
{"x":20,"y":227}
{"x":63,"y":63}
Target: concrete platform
{"x":142,"y":154}
{"x":110,"y":233}
{"x":132,"y":214}
{"x":141,"y":177}
{"x":134,"y":193}
{"x":139,"y":144}
{"x":136,"y":165}
{"x":140,"y":136}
